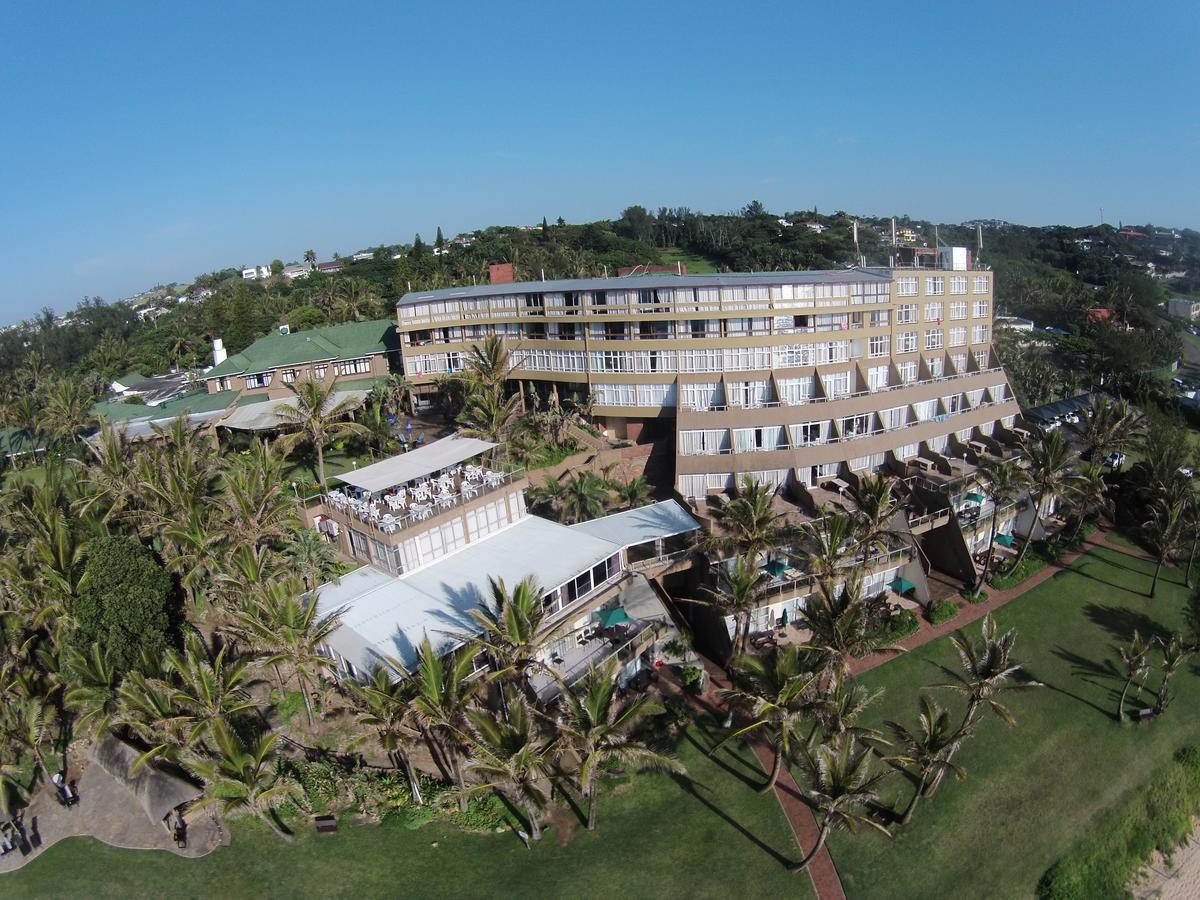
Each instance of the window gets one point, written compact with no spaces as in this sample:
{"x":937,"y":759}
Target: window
{"x":747,"y":394}
{"x":612,"y":361}
{"x":958,"y":336}
{"x":933,"y":312}
{"x":877,"y":345}
{"x":906,"y":286}
{"x":837,"y":384}
{"x":959,"y":360}
{"x":757,"y":440}
{"x":906,"y":342}
{"x":656,"y":395}
{"x":702,"y":396}
{"x":981,"y":309}
{"x":791,"y":356}
{"x":743,"y":359}
{"x":906,"y":314}
{"x":896,"y":417}
{"x":907,"y":371}
{"x":933,"y":339}
{"x":953,"y":404}
{"x":936,"y":366}
{"x":856,"y":426}
{"x":794,"y":391}
{"x":808,"y":434}
{"x":290,"y":375}
{"x":615,"y":394}
{"x":258,"y":381}
{"x":655,"y":361}
{"x":700,"y":360}
{"x":958,"y":310}
{"x":981,"y":359}
{"x":958,"y":284}
{"x":979,"y":334}
{"x":935,"y":285}
{"x":925,"y":410}
{"x":877,"y":377}
{"x":358,"y":366}
{"x":906,"y":451}
{"x":706,"y":442}
{"x":878,"y":318}
{"x":980,"y":285}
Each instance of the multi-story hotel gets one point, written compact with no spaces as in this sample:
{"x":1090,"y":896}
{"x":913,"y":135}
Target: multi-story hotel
{"x":796,"y":378}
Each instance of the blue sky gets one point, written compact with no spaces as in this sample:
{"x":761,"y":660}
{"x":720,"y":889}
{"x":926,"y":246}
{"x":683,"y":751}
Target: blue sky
{"x":148,"y":143}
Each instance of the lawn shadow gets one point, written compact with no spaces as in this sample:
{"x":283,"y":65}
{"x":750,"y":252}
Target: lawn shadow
{"x":718,"y":760}
{"x":693,"y":788}
{"x":1121,"y":622}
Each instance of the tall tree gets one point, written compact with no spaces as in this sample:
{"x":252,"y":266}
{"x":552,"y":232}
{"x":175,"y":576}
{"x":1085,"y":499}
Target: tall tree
{"x":1165,"y":530}
{"x":1134,"y":662}
{"x":1006,"y":481}
{"x":244,"y":777}
{"x":928,"y":749}
{"x":748,"y":524}
{"x":1050,"y":460}
{"x":320,"y":417}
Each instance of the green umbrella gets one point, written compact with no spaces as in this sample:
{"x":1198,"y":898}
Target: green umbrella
{"x":1004,"y":540}
{"x":610,"y":617}
{"x":783,"y":619}
{"x":901,"y":585}
{"x":976,"y":498}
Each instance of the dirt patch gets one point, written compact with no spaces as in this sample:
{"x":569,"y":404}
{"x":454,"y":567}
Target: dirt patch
{"x":565,"y":825}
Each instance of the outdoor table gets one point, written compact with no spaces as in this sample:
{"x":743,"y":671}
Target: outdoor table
{"x":492,"y":479}
{"x":924,"y":464}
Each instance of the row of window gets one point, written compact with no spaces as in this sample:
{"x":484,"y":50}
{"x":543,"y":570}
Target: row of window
{"x":317,"y":371}
{"x":935,"y":285}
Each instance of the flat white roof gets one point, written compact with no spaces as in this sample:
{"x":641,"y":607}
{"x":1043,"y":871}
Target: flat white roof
{"x":449,"y":451}
{"x":392,"y":615}
{"x":637,"y":526}
{"x":261,"y":416}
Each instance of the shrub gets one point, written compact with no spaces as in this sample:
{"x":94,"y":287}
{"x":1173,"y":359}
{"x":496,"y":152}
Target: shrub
{"x":690,"y":677}
{"x":899,"y":626}
{"x":943,"y":611}
{"x":975,"y":596}
{"x":1158,"y":817}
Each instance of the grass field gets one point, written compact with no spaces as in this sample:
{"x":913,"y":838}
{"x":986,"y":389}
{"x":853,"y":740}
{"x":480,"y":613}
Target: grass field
{"x":1031,"y":792}
{"x":696,"y":265}
{"x":710,"y":835}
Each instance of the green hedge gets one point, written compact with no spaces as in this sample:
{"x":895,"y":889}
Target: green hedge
{"x":901,"y":625}
{"x":1159,"y":817}
{"x":943,"y":611}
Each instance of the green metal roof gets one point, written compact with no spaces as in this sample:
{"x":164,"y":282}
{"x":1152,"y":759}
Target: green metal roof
{"x":336,"y":342}
{"x":14,"y":442}
{"x":195,"y":402}
{"x":130,"y":378}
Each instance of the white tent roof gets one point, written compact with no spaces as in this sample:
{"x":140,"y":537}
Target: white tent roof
{"x":390,"y":616}
{"x":637,"y":526}
{"x":449,"y":451}
{"x":261,"y":416}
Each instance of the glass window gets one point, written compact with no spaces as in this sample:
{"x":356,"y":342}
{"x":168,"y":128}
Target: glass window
{"x":935,"y":285}
{"x":980,"y":284}
{"x":906,"y":286}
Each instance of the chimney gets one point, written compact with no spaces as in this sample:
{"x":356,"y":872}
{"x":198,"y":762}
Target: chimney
{"x":219,"y":354}
{"x":501,"y":274}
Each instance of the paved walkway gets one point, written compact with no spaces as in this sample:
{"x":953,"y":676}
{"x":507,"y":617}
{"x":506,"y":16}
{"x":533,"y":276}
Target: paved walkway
{"x":108,"y":812}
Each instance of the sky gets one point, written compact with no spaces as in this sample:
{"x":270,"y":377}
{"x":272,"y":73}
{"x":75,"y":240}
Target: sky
{"x":144,"y":144}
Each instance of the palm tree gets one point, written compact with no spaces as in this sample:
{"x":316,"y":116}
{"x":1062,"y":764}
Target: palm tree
{"x":779,"y":690}
{"x":988,"y":670}
{"x":549,"y":495}
{"x":310,"y":257}
{"x":828,"y":542}
{"x":319,"y":417}
{"x":244,"y":778}
{"x":841,"y":789}
{"x":747,"y":525}
{"x":209,"y":688}
{"x":840,"y":624}
{"x":396,"y":394}
{"x":66,"y":410}
{"x":488,"y":415}
{"x":1049,"y":459}
{"x":312,"y":557}
{"x":510,"y":629}
{"x":1006,"y":481}
{"x":594,"y":728}
{"x":928,"y":749}
{"x":632,"y":493}
{"x":583,"y":497}
{"x":288,"y":630}
{"x":1087,"y":492}
{"x":512,"y":756}
{"x":1175,"y":653}
{"x":1133,"y":660}
{"x":385,"y":708}
{"x":256,"y":501}
{"x":736,"y":594}
{"x":1111,"y":428}
{"x":1165,"y":532}
{"x":875,"y":514}
{"x":444,"y":690}
{"x":27,"y":724}
{"x":488,"y":364}
{"x":93,"y":692}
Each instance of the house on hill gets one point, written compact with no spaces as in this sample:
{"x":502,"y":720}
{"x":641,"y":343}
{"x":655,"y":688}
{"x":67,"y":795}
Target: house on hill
{"x":357,"y":351}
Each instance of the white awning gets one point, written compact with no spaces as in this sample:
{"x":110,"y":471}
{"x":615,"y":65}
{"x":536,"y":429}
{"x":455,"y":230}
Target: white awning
{"x":638,"y":526}
{"x":418,"y":463}
{"x":261,"y":416}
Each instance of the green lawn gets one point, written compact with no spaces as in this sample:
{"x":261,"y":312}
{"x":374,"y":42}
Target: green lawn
{"x":715,"y":837}
{"x":1031,"y":792}
{"x":696,"y":265}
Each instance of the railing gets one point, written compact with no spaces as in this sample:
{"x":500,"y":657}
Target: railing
{"x":581,"y":666}
{"x":349,"y":518}
{"x":933,"y":519}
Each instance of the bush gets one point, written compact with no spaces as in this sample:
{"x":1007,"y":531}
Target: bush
{"x":942,"y":611}
{"x":689,"y":677}
{"x":128,"y":603}
{"x":1159,"y":817}
{"x":975,"y":596}
{"x":899,"y":626}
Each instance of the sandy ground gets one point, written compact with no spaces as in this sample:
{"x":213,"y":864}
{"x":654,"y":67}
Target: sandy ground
{"x":1178,"y":882}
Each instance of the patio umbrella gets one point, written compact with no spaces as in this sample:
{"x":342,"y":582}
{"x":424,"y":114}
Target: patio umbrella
{"x":901,"y":585}
{"x":610,"y":617}
{"x":976,"y":498}
{"x":783,"y":619}
{"x":1004,"y":540}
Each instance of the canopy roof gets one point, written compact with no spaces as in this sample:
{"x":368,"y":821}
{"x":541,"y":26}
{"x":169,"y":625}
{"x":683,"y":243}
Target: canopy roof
{"x":418,"y":463}
{"x":263,"y":415}
{"x":901,"y":585}
{"x":637,"y":526}
{"x":611,"y":617}
{"x":158,"y":790}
